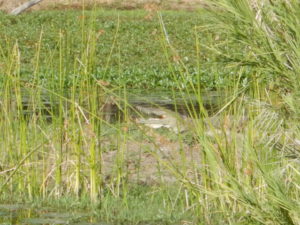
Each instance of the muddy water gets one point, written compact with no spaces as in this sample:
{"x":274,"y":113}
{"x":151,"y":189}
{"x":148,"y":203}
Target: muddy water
{"x":182,"y":103}
{"x":111,"y":108}
{"x":22,"y":214}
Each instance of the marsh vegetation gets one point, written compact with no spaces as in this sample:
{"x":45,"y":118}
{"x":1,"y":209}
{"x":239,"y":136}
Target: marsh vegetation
{"x":77,"y":129}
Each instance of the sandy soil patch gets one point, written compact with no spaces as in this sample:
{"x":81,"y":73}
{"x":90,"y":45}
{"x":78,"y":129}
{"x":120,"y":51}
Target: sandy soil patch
{"x":150,"y":163}
{"x":8,"y":5}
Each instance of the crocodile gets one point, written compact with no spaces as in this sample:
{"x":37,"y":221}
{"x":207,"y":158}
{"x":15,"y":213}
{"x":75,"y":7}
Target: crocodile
{"x":161,"y":117}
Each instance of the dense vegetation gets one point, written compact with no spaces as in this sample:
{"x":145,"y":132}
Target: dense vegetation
{"x":128,"y":45}
{"x":59,"y":148}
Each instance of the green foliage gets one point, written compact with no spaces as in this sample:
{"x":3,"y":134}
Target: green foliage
{"x":264,"y":37}
{"x":128,"y":45}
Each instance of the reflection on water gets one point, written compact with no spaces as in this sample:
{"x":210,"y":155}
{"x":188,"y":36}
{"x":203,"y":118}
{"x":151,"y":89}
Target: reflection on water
{"x":183,"y":103}
{"x":111,"y":107}
{"x":22,"y":214}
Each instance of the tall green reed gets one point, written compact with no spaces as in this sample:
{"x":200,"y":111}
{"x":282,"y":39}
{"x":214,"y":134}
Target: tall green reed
{"x":265,"y":37}
{"x":241,"y":179}
{"x":53,"y":120}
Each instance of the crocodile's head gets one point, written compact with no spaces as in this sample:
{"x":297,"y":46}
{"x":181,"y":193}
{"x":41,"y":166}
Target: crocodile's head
{"x":161,"y":117}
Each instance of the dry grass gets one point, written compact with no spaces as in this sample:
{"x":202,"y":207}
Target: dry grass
{"x":8,"y":5}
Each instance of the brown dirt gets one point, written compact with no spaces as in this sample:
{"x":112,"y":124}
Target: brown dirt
{"x":149,"y":5}
{"x":149,"y":163}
